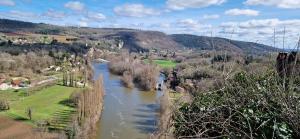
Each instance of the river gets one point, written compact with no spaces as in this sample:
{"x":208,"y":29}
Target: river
{"x":128,"y":113}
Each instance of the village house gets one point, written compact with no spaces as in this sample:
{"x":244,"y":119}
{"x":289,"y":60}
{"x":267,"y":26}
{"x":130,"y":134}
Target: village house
{"x":16,"y":83}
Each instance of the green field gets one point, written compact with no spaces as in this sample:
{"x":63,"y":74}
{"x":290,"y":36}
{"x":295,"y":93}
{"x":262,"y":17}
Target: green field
{"x":164,"y":63}
{"x":46,"y":104}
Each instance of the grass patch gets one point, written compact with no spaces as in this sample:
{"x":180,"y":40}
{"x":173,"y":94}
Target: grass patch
{"x":163,"y":63}
{"x":44,"y":103}
{"x":174,"y":96}
{"x":12,"y":95}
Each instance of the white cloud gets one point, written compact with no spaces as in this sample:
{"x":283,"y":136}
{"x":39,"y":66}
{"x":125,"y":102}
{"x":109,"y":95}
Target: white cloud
{"x":212,"y":16}
{"x":83,"y":24}
{"x":265,"y":26}
{"x":165,"y":25}
{"x":19,"y":15}
{"x":75,"y":5}
{"x":54,"y":14}
{"x":188,"y":23}
{"x":7,"y":3}
{"x":291,"y":23}
{"x":94,"y":16}
{"x":114,"y":25}
{"x":183,"y":4}
{"x":263,"y":30}
{"x":135,"y":10}
{"x":190,"y":26}
{"x":228,"y":24}
{"x":289,"y":4}
{"x":264,"y":23}
{"x":246,"y":12}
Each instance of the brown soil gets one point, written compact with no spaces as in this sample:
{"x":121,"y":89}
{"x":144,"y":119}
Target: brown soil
{"x":10,"y":129}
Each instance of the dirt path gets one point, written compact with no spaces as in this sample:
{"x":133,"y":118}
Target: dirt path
{"x":10,"y":129}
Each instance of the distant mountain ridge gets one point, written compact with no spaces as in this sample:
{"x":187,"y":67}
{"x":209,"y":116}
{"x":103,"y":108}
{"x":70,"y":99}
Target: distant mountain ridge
{"x":138,"y":40}
{"x":210,"y":43}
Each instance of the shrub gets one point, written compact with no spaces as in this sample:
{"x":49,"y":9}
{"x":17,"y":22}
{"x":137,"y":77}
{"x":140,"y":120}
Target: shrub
{"x":256,"y":68}
{"x":248,"y":59}
{"x":198,"y":73}
{"x":4,"y":105}
{"x":74,"y":99}
{"x":250,"y":106}
{"x":166,"y":71}
{"x":179,"y":59}
{"x":221,"y":58}
{"x":134,"y":70}
{"x":127,"y":79}
{"x":119,"y":67}
{"x":145,"y":77}
{"x":24,"y":64}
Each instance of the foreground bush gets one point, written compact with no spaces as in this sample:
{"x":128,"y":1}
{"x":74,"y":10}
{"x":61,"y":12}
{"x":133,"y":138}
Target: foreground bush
{"x":250,"y":106}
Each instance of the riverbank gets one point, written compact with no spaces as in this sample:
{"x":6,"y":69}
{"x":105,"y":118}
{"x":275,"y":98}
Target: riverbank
{"x":88,"y":104}
{"x":168,"y":103}
{"x":165,"y":117}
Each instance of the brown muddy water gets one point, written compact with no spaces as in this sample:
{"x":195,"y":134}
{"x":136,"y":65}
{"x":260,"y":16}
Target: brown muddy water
{"x":128,"y":113}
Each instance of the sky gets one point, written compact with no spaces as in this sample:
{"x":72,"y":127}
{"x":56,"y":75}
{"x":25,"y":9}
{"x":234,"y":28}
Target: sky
{"x":246,"y":20}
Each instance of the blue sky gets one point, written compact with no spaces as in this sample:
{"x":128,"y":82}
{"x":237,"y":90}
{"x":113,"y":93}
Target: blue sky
{"x":247,"y":20}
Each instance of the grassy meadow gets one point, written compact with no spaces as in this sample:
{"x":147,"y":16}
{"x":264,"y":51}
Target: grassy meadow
{"x":164,"y":63}
{"x":46,"y":104}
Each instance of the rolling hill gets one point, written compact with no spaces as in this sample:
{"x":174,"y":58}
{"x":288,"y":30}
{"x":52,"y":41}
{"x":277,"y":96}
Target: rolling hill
{"x":210,"y":43}
{"x":137,"y":40}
